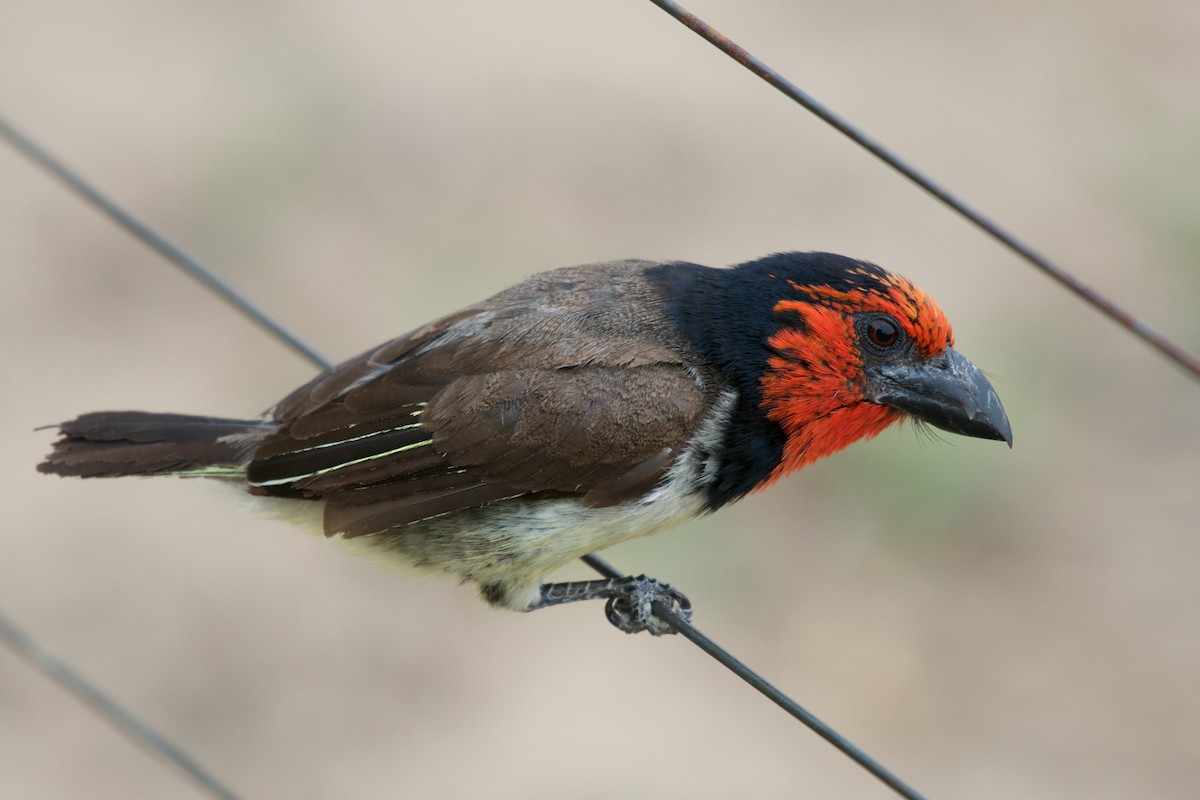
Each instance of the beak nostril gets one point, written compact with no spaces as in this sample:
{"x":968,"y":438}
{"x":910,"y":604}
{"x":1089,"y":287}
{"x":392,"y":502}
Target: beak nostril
{"x":948,"y":392}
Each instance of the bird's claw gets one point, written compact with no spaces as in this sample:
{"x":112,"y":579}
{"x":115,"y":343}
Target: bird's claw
{"x":631,"y":607}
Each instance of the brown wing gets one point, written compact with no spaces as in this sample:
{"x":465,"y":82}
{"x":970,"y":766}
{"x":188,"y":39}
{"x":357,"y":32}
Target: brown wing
{"x":550,"y":386}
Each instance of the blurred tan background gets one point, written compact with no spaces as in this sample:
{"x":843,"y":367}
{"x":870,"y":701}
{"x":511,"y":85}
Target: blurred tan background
{"x":990,"y":624}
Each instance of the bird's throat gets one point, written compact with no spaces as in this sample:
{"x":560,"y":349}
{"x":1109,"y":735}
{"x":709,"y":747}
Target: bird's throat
{"x":813,"y":388}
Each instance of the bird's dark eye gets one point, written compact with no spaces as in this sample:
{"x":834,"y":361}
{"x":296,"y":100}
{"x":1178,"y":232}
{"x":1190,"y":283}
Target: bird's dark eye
{"x":883,"y":332}
{"x":881,"y":335}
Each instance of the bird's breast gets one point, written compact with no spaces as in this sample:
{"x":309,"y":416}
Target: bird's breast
{"x":514,"y":543}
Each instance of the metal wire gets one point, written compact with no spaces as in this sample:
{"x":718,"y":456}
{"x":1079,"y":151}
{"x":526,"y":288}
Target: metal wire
{"x":56,"y":669}
{"x":1188,"y":362}
{"x":156,"y":241}
{"x":767,"y":690}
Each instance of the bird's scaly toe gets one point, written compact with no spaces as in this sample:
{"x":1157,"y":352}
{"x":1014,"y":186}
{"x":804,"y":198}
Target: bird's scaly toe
{"x":631,"y":608}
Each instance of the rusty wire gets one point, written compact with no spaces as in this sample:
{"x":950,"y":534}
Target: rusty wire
{"x":1186,"y":361}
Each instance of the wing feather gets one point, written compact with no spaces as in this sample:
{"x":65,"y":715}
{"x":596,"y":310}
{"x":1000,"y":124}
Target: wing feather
{"x":550,"y":387}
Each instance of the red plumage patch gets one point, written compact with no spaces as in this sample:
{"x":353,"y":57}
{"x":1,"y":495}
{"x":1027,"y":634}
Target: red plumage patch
{"x":921,"y":317}
{"x":813,"y":384}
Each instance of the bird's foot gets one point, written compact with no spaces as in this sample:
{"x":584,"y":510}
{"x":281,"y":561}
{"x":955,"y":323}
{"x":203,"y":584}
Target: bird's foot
{"x":630,"y":606}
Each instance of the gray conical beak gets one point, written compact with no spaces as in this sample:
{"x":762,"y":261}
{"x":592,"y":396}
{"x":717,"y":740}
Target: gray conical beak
{"x":947,"y":391}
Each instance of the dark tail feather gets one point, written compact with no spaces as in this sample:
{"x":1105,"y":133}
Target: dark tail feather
{"x":106,"y":444}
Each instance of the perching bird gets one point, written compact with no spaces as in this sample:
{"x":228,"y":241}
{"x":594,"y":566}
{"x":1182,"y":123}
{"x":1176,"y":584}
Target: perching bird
{"x":582,"y":407}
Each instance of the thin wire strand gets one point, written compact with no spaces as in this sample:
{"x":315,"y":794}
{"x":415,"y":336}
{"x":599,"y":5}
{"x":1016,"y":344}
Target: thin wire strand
{"x":135,"y":729}
{"x":157,"y":242}
{"x":1189,"y":363}
{"x":55,"y":668}
{"x":766,"y":689}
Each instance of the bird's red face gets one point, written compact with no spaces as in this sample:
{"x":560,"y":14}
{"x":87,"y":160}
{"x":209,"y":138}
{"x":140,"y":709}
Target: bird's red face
{"x":848,"y":362}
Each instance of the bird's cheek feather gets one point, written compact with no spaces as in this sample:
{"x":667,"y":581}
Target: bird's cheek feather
{"x":816,"y":429}
{"x":813,"y":388}
{"x":814,"y":367}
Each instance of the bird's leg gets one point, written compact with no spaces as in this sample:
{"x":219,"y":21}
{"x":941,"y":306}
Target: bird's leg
{"x":630,"y":605}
